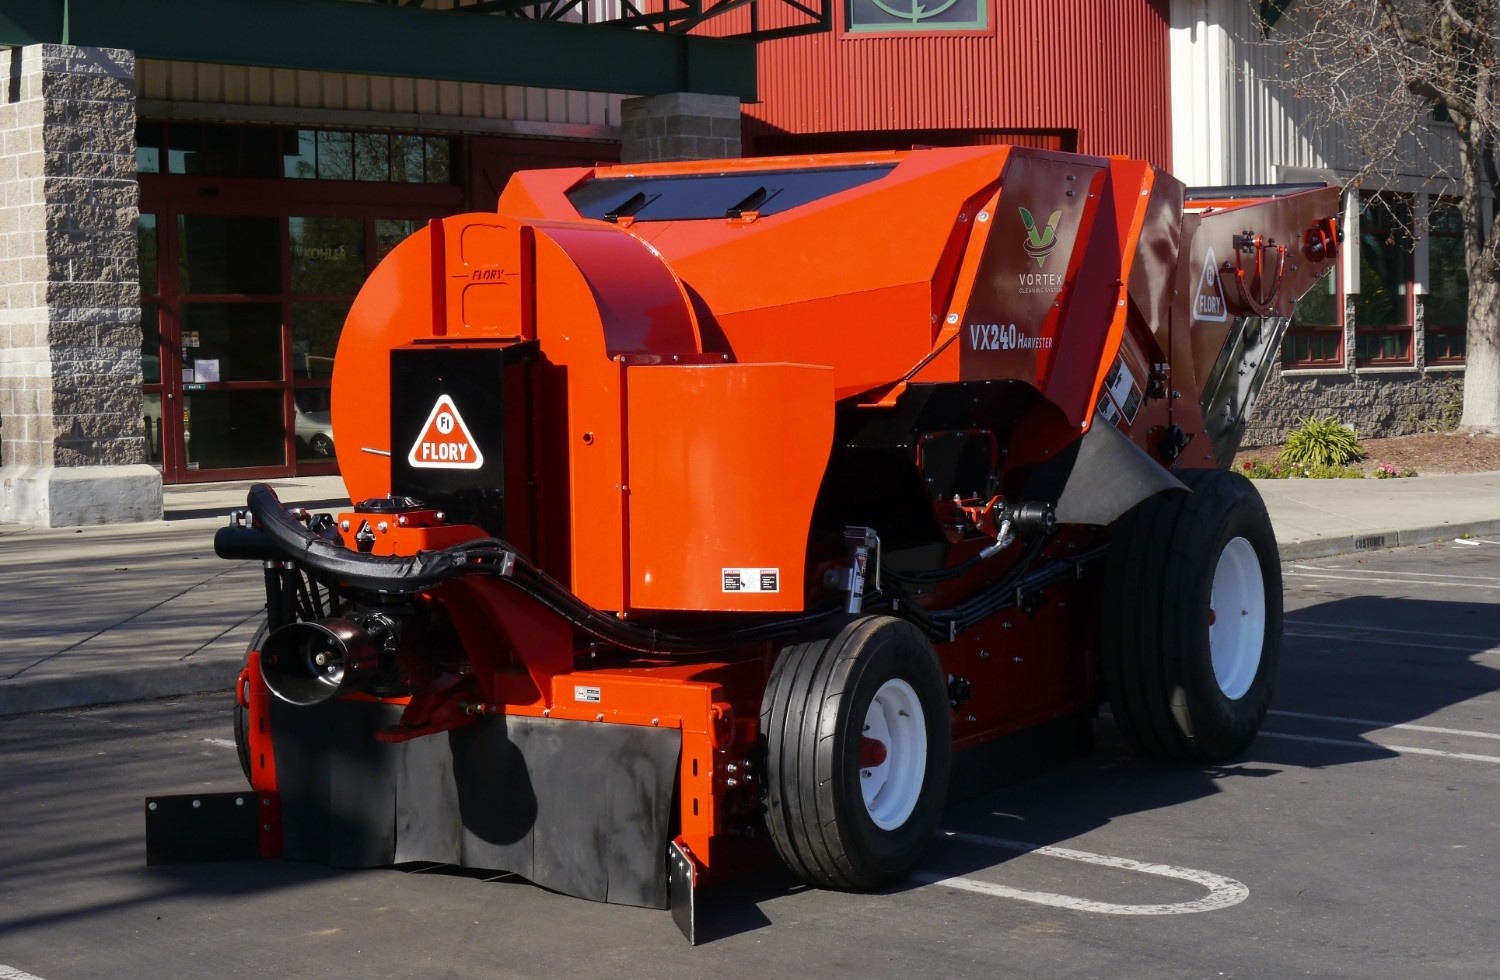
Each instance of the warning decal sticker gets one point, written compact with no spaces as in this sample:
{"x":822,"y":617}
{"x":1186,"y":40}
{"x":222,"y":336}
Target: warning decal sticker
{"x":751,"y":579}
{"x":1209,"y":303}
{"x":444,"y":442}
{"x":1121,"y":398}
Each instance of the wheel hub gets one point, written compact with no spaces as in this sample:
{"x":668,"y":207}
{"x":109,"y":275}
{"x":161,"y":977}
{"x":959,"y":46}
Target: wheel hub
{"x":893,"y":754}
{"x":1237,"y":618}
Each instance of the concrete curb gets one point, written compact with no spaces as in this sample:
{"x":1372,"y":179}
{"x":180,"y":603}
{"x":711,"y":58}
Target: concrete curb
{"x":1344,"y":544}
{"x":25,"y":697}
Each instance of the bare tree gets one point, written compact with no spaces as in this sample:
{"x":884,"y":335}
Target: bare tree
{"x":1373,"y":73}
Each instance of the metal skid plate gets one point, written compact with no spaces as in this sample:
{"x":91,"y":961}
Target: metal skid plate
{"x":683,"y":875}
{"x":202,"y":827}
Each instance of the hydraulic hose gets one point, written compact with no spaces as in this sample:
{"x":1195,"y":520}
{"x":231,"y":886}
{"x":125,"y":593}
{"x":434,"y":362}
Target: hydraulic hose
{"x":371,"y":573}
{"x":286,"y":538}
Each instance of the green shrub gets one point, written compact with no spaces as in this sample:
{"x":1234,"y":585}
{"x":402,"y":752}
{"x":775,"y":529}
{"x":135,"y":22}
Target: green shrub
{"x":1277,"y":470}
{"x":1321,"y":442}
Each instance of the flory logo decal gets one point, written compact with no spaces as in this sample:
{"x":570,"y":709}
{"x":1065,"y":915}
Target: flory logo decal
{"x":1040,"y":241}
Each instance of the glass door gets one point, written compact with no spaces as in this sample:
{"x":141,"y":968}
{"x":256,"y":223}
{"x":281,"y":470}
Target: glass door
{"x":242,"y":303}
{"x":227,"y":328}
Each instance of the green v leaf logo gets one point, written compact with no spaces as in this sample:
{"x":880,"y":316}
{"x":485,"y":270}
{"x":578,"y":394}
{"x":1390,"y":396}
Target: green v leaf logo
{"x":1040,"y":241}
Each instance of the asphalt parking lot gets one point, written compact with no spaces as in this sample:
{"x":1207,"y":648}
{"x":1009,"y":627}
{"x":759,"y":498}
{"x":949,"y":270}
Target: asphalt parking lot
{"x":1358,"y":837}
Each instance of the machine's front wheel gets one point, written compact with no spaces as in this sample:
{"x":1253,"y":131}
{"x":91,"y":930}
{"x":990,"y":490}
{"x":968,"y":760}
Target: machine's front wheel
{"x":857,"y":750}
{"x":1191,"y":624}
{"x":241,"y":713}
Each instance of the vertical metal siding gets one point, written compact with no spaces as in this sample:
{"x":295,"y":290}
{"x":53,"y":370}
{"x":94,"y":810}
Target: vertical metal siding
{"x":1099,"y":68}
{"x":1235,"y":123}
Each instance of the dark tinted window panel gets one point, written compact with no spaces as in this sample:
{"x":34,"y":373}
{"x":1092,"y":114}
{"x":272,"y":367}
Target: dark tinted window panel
{"x":259,"y":152}
{"x":149,"y":141}
{"x":221,"y":255}
{"x":694,"y":196}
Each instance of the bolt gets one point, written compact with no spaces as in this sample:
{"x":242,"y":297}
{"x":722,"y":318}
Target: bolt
{"x":343,"y":525}
{"x":599,"y":716}
{"x":239,"y":801}
{"x":265,"y":827}
{"x":151,"y":806}
{"x":197,"y":804}
{"x":952,"y":317}
{"x":984,"y":216}
{"x":383,"y":526}
{"x":983,"y":654}
{"x":972,"y":718}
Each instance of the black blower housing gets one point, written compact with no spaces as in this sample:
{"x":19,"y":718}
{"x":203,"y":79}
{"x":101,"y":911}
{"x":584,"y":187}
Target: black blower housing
{"x":309,"y":662}
{"x":489,"y":387}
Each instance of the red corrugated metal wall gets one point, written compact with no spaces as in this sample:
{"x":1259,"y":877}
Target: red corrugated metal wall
{"x":1093,"y":74}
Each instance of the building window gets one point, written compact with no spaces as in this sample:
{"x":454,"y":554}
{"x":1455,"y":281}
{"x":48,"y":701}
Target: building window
{"x":213,"y":150}
{"x":865,"y":16}
{"x":1383,"y":309}
{"x":1445,"y":307}
{"x":1316,"y":337}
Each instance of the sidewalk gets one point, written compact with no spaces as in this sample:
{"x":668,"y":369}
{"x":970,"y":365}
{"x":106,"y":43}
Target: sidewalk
{"x":103,"y":614}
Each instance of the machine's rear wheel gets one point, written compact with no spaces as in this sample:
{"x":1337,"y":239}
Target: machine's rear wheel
{"x":241,"y":713}
{"x":857,"y":748}
{"x":1192,"y":619}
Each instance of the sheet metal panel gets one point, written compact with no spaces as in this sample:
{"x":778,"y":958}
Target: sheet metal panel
{"x":1098,"y":67}
{"x":215,"y":84}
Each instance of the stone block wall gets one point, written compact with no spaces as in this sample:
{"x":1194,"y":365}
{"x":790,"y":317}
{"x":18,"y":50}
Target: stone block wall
{"x":70,"y":330}
{"x":1377,"y":403}
{"x":679,"y":126}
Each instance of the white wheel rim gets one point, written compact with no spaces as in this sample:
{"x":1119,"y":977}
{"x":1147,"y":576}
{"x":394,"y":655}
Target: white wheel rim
{"x":892,"y":787}
{"x":1237,"y":618}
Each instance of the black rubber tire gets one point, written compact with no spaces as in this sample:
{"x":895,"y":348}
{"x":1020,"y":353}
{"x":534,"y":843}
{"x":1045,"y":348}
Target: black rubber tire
{"x":242,"y":714}
{"x":1155,"y":657}
{"x":812,"y":718}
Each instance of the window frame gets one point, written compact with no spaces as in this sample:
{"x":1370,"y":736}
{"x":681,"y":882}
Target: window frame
{"x":1430,"y":331}
{"x":1398,"y":237}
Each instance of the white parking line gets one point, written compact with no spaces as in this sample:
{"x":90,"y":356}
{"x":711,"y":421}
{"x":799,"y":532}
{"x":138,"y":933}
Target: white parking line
{"x":1385,"y":724}
{"x":11,"y":973}
{"x":1333,"y":633}
{"x":1222,"y":892}
{"x":1449,"y":584}
{"x":1369,"y":572}
{"x":1400,"y":749}
{"x":1362,"y":630}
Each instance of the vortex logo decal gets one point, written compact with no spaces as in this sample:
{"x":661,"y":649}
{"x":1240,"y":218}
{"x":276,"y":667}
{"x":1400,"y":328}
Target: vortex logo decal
{"x":1040,"y":241}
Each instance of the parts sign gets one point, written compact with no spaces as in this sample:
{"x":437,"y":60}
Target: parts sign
{"x":444,"y":442}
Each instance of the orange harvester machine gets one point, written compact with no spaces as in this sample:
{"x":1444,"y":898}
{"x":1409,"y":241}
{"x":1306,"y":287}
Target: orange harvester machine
{"x":713,"y":512}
